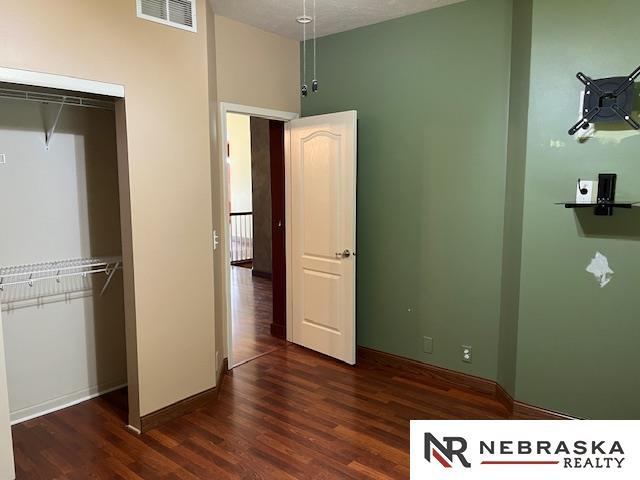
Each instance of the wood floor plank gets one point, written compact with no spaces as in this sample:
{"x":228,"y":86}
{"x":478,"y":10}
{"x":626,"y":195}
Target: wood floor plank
{"x":292,"y":414}
{"x":252,"y":315}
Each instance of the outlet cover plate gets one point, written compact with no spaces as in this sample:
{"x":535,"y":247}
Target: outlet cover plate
{"x":467,"y":353}
{"x":427,"y":345}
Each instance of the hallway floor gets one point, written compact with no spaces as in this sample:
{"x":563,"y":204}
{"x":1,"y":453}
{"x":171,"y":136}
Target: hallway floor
{"x":291,"y":414}
{"x":252,"y":313}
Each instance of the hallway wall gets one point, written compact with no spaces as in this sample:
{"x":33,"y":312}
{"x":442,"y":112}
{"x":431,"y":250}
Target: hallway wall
{"x":240,"y":162}
{"x":261,"y":184}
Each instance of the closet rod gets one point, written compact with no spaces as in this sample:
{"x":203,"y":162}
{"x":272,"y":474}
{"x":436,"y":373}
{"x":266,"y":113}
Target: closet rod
{"x":56,"y":99}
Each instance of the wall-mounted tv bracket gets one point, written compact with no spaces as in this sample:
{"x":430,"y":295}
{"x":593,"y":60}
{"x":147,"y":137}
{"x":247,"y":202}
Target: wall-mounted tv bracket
{"x":607,"y":100}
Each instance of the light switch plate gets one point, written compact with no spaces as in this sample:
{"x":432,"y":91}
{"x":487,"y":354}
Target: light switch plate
{"x":3,"y":159}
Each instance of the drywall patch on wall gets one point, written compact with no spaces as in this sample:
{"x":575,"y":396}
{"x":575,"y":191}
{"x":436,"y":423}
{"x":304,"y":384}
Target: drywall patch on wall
{"x":605,"y":137}
{"x":600,"y":269}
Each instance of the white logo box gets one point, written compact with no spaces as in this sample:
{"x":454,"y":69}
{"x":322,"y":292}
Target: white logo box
{"x":522,"y":450}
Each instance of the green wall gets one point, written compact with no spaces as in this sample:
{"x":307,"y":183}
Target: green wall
{"x":431,"y":175}
{"x":514,"y":202}
{"x":458,"y":236}
{"x":577,"y":342}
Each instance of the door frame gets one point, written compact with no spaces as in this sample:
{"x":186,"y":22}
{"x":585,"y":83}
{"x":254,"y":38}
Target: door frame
{"x":268,"y":114}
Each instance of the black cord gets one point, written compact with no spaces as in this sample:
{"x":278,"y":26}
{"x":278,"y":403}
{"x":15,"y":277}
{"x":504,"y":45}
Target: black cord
{"x":583,"y":191}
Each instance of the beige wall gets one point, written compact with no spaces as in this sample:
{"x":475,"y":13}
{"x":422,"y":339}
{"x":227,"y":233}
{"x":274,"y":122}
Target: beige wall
{"x":239,"y":138}
{"x":256,"y":68}
{"x":165,"y":75}
{"x":216,"y":197}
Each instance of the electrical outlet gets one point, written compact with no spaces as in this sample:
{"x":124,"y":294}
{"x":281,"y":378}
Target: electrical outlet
{"x":467,"y":354}
{"x":428,"y":344}
{"x":3,"y":159}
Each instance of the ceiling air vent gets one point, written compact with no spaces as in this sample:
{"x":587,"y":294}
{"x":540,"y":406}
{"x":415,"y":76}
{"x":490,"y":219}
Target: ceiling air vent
{"x":176,"y":13}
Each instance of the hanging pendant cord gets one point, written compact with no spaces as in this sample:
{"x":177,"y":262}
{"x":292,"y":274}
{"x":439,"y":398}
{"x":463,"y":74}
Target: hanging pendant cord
{"x":304,"y":43}
{"x":315,"y":77}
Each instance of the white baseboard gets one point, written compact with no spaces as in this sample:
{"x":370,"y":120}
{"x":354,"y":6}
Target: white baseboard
{"x":64,"y":401}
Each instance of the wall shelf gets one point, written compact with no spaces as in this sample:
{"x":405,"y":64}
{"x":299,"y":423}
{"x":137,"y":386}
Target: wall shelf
{"x":604,"y":204}
{"x":601,"y":208}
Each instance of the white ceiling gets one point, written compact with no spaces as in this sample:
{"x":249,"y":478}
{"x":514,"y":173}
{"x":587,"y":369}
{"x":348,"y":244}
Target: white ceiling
{"x":279,"y":16}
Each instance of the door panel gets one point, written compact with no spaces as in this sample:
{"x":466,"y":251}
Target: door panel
{"x":323,"y":188}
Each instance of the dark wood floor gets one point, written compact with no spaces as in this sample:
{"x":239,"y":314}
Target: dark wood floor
{"x":291,"y":414}
{"x":252,"y":313}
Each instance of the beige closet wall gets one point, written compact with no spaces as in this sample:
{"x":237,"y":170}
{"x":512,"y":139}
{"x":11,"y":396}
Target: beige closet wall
{"x":165,"y":75}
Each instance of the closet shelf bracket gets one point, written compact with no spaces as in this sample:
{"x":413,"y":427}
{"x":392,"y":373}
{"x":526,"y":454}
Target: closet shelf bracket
{"x":49,"y":134}
{"x":109,"y":272}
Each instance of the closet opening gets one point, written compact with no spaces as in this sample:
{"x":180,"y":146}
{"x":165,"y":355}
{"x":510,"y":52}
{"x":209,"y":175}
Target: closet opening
{"x":65,"y":225}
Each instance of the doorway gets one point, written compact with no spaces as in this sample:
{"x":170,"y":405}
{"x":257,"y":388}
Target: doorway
{"x":254,"y":155}
{"x":316,"y":226}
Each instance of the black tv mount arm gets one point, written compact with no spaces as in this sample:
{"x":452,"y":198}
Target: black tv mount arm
{"x":607,"y":100}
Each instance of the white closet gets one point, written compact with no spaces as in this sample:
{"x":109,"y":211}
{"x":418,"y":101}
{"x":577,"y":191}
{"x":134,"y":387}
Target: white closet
{"x":60,"y":250}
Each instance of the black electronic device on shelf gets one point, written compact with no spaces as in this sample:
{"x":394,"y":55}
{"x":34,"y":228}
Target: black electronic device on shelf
{"x":606,"y":194}
{"x":607,"y":100}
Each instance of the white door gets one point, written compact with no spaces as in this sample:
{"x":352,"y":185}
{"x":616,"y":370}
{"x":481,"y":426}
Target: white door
{"x":323,"y":234}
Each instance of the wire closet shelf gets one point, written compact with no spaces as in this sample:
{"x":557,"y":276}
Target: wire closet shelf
{"x":30,"y":274}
